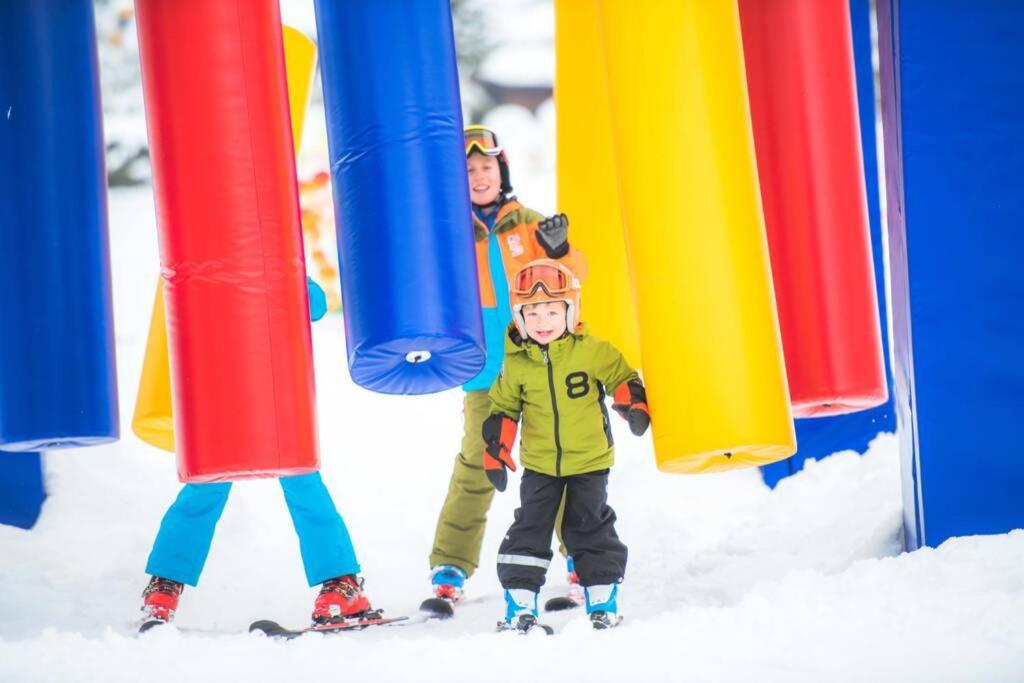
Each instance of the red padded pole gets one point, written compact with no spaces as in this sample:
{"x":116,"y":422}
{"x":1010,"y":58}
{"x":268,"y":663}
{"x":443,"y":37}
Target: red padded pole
{"x":803,"y":100}
{"x":230,"y":243}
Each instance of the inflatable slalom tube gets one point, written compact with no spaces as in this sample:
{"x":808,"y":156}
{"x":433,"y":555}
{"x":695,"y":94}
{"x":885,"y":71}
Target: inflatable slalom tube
{"x":230,"y":242}
{"x":709,"y":334}
{"x":398,"y":164}
{"x":803,"y":99}
{"x":588,"y":188}
{"x":22,"y":489}
{"x":153,"y":421}
{"x":58,"y":385}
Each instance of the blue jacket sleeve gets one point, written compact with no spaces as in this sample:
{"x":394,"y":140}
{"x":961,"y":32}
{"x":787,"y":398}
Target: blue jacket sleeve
{"x":317,"y":300}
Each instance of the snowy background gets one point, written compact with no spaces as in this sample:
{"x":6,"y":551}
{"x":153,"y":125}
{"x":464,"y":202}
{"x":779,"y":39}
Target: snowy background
{"x":727,"y":579}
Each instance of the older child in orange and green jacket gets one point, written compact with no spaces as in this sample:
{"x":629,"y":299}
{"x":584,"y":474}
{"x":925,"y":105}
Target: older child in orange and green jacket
{"x":508,"y":235}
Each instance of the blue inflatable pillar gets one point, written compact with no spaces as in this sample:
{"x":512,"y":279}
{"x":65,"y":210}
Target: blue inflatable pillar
{"x":823,"y":436}
{"x":952,"y":77}
{"x":398,"y":164}
{"x":57,"y":378}
{"x":21,"y":489}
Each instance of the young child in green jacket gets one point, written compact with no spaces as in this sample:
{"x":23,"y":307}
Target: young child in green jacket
{"x":555,"y":379}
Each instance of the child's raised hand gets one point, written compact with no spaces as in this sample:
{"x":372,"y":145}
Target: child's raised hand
{"x":499,"y":434}
{"x":553,"y":235}
{"x":631,"y":403}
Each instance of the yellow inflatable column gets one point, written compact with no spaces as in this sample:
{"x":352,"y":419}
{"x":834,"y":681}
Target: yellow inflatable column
{"x":588,"y":190}
{"x":153,"y":421}
{"x":709,"y":333}
{"x":300,"y":63}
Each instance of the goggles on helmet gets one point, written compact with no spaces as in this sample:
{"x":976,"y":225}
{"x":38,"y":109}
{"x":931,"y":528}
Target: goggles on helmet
{"x":544,"y":280}
{"x":483,"y":140}
{"x":554,"y":280}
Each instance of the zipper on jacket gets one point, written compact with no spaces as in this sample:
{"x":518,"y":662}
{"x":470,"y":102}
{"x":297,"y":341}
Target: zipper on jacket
{"x":554,"y":407}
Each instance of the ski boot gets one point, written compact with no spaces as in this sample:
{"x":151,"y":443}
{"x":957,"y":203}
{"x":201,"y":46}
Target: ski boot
{"x":521,"y":612}
{"x":575,"y":589}
{"x":341,"y":599}
{"x":159,"y":602}
{"x":447,"y":581}
{"x":602,"y":605}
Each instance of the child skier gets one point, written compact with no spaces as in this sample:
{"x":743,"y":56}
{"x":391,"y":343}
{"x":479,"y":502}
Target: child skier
{"x":554,"y":378}
{"x":508,"y":235}
{"x":186,"y":532}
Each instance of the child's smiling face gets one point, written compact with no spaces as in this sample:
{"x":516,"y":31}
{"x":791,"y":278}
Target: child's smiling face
{"x":545,"y":322}
{"x":484,"y":178}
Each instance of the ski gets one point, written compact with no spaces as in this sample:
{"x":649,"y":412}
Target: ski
{"x":560,"y":604}
{"x":152,"y":623}
{"x":273,"y":629}
{"x":437,"y":608}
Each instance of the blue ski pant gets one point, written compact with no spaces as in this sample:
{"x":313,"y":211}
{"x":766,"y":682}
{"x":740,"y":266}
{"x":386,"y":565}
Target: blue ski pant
{"x":186,"y":532}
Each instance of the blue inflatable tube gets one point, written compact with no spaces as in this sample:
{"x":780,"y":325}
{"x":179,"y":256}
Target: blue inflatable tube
{"x":405,"y":242}
{"x":21,"y":489}
{"x":57,"y":377}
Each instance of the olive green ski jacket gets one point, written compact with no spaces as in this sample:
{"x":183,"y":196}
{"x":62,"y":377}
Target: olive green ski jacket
{"x":559,"y":391}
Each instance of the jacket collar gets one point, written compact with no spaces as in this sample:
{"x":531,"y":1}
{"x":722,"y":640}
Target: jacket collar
{"x":507,"y":206}
{"x":514,"y":343}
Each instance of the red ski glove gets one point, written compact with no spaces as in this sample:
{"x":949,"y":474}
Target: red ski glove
{"x":631,"y":403}
{"x":499,"y":434}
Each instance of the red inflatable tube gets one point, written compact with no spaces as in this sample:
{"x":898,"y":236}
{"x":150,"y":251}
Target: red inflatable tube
{"x":803,"y":99}
{"x":230,"y":243}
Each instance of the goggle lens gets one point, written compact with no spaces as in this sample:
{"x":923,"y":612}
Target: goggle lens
{"x":553,"y":280}
{"x":482,"y":140}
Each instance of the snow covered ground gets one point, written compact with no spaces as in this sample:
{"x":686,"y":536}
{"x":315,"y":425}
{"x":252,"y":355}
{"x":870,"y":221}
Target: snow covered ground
{"x":727,"y":580}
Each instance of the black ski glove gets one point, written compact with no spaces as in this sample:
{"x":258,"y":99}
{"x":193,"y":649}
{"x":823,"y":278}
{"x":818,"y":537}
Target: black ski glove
{"x":631,"y":403}
{"x":553,"y":235}
{"x":499,"y":432}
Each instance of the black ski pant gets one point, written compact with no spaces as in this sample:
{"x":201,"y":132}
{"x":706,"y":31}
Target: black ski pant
{"x":588,"y":530}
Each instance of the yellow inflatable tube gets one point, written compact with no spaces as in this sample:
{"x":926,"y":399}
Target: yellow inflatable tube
{"x":709,"y":334}
{"x":153,"y":421}
{"x":588,"y":190}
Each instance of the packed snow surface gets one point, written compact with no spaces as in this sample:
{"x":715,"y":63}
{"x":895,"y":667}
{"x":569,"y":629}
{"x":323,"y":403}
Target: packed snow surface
{"x":727,"y":580}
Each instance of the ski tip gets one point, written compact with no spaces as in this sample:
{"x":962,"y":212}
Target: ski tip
{"x":560,"y":604}
{"x":266,"y":626}
{"x":147,"y":625}
{"x":437,"y":608}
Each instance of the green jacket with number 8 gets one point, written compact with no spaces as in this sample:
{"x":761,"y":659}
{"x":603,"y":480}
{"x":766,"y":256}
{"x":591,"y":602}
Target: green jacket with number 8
{"x":559,"y":392}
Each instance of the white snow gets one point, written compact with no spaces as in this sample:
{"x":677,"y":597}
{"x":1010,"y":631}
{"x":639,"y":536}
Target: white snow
{"x":728,"y":581}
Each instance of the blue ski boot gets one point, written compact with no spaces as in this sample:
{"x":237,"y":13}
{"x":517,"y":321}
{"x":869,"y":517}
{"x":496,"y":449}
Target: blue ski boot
{"x":602,"y":605}
{"x":447,"y":581}
{"x":521,"y":612}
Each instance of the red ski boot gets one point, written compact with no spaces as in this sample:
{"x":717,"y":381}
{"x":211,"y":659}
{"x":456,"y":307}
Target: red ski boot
{"x":340,"y":599}
{"x":160,"y":601}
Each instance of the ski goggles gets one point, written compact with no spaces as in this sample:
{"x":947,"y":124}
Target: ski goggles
{"x":480,"y":139}
{"x":552,"y":279}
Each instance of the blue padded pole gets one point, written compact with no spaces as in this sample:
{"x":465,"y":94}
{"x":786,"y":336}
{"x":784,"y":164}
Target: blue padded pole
{"x":398,"y":164}
{"x":21,"y":489}
{"x":57,"y":376}
{"x":820,"y":437}
{"x":952,"y":78}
